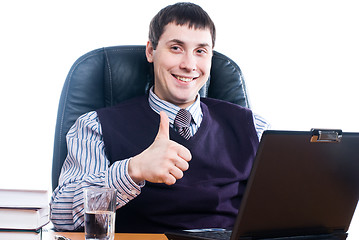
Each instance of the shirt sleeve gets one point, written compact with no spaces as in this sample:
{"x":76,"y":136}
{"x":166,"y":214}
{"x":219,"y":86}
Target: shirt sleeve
{"x":260,"y":124}
{"x":86,"y":165}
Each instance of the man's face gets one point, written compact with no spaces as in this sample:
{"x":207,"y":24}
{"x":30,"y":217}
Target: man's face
{"x":182,"y":63}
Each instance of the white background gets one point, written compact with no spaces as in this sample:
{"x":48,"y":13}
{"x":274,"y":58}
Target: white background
{"x":300,"y":59}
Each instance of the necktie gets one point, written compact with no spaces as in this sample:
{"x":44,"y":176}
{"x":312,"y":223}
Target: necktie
{"x":182,"y":122}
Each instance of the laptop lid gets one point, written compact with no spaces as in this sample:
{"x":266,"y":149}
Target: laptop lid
{"x":302,"y":183}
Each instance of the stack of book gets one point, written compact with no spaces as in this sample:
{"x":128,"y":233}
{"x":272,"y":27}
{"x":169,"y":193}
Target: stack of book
{"x":23,"y":213}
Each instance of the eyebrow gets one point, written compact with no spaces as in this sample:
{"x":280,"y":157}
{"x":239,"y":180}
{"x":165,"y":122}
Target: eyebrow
{"x":183,"y":43}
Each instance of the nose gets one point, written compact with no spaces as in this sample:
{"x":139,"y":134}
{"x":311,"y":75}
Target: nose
{"x":188,"y":62}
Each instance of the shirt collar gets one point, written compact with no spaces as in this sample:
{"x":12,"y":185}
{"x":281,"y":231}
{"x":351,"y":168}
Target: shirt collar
{"x":171,"y":110}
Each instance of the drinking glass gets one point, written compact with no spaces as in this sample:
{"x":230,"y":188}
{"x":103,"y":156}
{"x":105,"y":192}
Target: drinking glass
{"x":100,"y":213}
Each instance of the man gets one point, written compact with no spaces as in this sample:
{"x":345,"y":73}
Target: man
{"x":167,"y":176}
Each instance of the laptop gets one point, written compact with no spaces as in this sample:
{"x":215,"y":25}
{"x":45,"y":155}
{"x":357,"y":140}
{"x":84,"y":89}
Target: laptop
{"x":303,"y":185}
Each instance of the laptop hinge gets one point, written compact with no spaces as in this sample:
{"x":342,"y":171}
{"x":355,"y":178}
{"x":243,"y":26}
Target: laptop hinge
{"x":326,"y":135}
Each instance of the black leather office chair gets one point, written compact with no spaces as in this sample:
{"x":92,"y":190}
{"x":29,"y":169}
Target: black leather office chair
{"x":107,"y":76}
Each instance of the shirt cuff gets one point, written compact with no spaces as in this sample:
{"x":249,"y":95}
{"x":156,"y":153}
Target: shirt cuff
{"x":119,"y":178}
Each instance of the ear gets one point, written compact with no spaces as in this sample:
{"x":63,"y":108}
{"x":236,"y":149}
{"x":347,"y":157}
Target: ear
{"x":149,"y":52}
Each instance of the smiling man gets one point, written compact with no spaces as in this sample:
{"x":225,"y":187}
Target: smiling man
{"x":182,"y":63}
{"x":178,"y":161}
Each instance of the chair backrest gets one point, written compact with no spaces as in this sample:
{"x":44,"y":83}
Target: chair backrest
{"x":107,"y":76}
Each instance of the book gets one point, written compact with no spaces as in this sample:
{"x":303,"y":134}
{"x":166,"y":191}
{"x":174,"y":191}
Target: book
{"x":20,"y":235}
{"x":23,"y":209}
{"x":24,"y":218}
{"x":19,"y":198}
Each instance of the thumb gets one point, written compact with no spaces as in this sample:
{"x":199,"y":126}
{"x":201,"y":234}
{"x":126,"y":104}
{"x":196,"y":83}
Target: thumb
{"x":163,"y":130}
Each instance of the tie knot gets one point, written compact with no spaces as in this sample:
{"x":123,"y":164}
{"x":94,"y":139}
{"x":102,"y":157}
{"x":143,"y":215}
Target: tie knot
{"x":183,"y":118}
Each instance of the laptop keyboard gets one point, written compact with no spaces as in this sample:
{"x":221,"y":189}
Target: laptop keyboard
{"x":218,"y":235}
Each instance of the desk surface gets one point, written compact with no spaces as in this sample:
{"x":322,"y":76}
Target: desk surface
{"x":118,"y":236}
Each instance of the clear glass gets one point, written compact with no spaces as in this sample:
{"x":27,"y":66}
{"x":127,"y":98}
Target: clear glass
{"x":100,"y":213}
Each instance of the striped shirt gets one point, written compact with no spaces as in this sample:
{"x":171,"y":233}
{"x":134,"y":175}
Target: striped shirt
{"x":87,"y":165}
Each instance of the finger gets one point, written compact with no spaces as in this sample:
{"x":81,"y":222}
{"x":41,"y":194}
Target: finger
{"x":163,"y":130}
{"x":182,"y":164}
{"x":176,"y":173}
{"x":184,"y":153}
{"x":170,"y":179}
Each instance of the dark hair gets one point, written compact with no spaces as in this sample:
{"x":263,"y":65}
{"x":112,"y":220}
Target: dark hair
{"x":180,"y":14}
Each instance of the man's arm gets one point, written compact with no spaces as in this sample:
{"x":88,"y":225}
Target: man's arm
{"x":87,"y":165}
{"x":260,"y":124}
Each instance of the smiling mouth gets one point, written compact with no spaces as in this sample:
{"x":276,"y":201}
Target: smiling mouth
{"x":184,"y":79}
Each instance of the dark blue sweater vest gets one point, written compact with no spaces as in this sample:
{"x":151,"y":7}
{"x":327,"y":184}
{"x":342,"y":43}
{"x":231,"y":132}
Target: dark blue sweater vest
{"x":211,"y":190}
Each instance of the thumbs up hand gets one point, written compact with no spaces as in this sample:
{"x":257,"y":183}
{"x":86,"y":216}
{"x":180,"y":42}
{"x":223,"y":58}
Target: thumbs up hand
{"x":162,"y":162}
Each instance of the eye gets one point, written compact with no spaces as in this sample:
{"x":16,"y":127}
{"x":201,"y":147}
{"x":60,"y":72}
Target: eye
{"x":176,"y":48}
{"x":201,"y":51}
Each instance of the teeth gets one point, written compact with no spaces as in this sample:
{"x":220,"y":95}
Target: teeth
{"x":184,"y":79}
